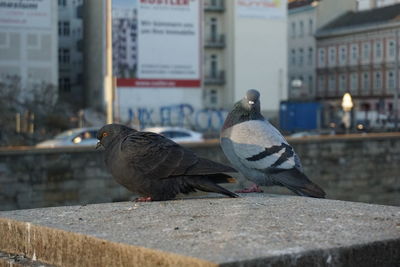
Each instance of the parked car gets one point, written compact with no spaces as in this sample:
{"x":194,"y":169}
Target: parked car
{"x":177,"y":134}
{"x":73,"y":137}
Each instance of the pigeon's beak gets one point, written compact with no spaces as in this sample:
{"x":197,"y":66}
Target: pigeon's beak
{"x":98,"y":145}
{"x":251,"y":102}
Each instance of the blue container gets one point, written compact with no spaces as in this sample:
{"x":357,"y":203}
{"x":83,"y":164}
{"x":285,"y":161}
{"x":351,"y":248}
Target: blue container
{"x":299,"y":116}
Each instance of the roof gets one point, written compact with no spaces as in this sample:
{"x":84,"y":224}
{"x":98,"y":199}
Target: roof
{"x":364,"y":18}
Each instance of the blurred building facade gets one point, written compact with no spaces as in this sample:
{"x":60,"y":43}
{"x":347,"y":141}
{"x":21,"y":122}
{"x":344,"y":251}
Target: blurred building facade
{"x":241,"y":50}
{"x":370,"y":4}
{"x":124,"y":27}
{"x":29,"y":44}
{"x":215,"y":17}
{"x":304,"y":18}
{"x":244,"y":50}
{"x":242,"y":47}
{"x":257,"y":55}
{"x":70,"y":51}
{"x":356,"y":53}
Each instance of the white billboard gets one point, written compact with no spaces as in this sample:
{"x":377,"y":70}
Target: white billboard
{"x":25,"y":13}
{"x":157,"y":43}
{"x":265,"y":9}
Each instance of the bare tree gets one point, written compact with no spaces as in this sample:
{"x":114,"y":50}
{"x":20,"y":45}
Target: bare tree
{"x":28,"y":115}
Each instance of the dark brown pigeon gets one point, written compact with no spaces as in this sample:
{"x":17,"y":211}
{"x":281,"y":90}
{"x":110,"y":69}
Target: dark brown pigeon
{"x":157,"y":168}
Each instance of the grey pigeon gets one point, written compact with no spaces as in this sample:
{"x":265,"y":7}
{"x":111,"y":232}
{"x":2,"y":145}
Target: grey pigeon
{"x":259,"y":151}
{"x":157,"y":168}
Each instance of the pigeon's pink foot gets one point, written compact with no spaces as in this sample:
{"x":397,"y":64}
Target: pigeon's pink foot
{"x":252,"y":189}
{"x":143,"y":199}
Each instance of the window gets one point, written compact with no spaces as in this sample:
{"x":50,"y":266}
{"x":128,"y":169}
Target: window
{"x":321,"y":57}
{"x":293,"y":57}
{"x":378,"y":80}
{"x":392,"y":51}
{"x":213,"y":67}
{"x":310,"y":84}
{"x":293,"y":30}
{"x":213,"y":96}
{"x":310,"y":56}
{"x":342,"y":55}
{"x":62,"y":2}
{"x":378,"y":50}
{"x":213,"y":30}
{"x":332,"y":56}
{"x":366,"y":51}
{"x":301,"y":57}
{"x":354,"y":53}
{"x":63,"y":28}
{"x":63,"y":55}
{"x":321,"y":83}
{"x":332,"y":83}
{"x":32,"y":41}
{"x":64,"y":84}
{"x":391,"y":82}
{"x":354,"y":82}
{"x":310,"y":27}
{"x":301,"y":30}
{"x":365,"y":81}
{"x":342,"y":83}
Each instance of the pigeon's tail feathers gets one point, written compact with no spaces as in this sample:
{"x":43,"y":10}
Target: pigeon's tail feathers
{"x":204,"y":183}
{"x":205,"y":166}
{"x":311,"y":190}
{"x":298,"y":182}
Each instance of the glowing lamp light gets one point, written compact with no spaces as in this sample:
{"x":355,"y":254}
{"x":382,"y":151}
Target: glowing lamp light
{"x":347,"y":102}
{"x":297,"y":83}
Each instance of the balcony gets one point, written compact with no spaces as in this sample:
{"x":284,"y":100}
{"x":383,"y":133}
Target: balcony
{"x":214,"y":6}
{"x":217,"y":78}
{"x":216,"y":41}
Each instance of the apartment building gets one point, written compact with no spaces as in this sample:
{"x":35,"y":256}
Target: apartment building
{"x":28,"y":44}
{"x":214,"y":66}
{"x":356,"y":53}
{"x":304,"y":18}
{"x":70,"y":51}
{"x":124,"y":42}
{"x":246,"y":47}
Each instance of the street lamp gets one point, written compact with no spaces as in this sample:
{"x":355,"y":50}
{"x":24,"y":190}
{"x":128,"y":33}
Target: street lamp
{"x":347,"y":105}
{"x":297,"y":83}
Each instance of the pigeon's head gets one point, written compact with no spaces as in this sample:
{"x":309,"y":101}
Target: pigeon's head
{"x":109,"y":132}
{"x":251,"y":101}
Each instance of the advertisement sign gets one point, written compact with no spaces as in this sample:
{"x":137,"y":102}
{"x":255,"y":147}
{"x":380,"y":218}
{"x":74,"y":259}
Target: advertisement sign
{"x":265,"y":9}
{"x":25,"y":13}
{"x":156,"y":43}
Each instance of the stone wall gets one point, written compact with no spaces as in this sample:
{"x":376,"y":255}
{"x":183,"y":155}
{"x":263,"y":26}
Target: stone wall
{"x":356,"y":167}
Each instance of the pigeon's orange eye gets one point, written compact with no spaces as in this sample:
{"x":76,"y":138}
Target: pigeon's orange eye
{"x":104,"y":134}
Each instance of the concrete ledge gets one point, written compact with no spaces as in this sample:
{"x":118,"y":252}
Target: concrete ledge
{"x":62,"y":248}
{"x":254,"y":230}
